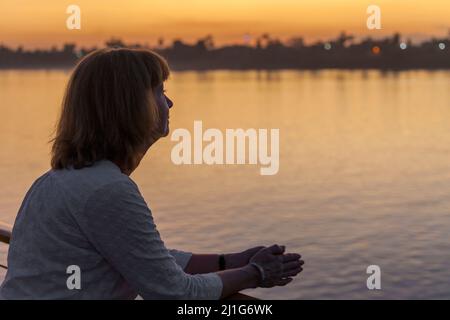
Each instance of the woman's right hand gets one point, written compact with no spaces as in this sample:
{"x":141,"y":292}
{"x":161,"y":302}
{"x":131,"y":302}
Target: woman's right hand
{"x":279,"y":267}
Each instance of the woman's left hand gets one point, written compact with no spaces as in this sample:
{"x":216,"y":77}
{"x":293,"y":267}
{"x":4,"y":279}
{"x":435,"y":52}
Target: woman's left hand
{"x":240,"y":259}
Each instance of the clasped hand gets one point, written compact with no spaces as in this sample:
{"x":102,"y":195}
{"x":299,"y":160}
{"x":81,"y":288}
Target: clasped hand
{"x":278,"y":267}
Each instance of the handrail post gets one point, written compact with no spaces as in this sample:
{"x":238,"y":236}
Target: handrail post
{"x":5,"y":233}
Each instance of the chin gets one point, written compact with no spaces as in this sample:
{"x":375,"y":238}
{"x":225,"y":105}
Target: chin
{"x":166,"y":133}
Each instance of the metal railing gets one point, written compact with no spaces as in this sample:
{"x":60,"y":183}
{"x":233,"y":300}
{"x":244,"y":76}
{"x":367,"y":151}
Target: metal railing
{"x":5,"y":232}
{"x":5,"y":237}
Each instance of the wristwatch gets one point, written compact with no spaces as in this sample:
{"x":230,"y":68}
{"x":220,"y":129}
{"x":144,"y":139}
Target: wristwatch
{"x":222,"y":265}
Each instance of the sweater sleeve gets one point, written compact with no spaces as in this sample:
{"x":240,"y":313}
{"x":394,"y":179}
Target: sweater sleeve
{"x":181,"y":257}
{"x":119,"y":224}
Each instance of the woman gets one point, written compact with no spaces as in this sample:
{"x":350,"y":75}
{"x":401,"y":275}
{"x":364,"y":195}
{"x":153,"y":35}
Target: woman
{"x":84,"y":230}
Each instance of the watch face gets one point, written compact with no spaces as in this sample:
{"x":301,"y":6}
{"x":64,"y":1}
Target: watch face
{"x":222,"y":265}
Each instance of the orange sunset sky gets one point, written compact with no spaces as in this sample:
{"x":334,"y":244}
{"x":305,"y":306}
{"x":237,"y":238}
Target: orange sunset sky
{"x":42,"y":23}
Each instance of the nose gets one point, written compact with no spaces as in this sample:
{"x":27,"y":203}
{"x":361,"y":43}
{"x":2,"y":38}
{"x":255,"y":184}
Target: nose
{"x":169,"y":102}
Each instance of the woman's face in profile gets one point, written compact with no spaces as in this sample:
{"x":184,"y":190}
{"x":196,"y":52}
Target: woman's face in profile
{"x":164,"y":104}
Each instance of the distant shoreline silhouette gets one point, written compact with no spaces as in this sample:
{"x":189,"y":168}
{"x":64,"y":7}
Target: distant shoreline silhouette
{"x":389,"y":53}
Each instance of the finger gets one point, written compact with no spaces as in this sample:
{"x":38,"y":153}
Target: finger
{"x":291,"y":265}
{"x":291,"y":256}
{"x":300,"y":262}
{"x":291,"y":273}
{"x":254,"y":250}
{"x":276,"y":249}
{"x":283,"y":282}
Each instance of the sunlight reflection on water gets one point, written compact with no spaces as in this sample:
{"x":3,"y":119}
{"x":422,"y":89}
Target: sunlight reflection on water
{"x":364,"y":173}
